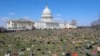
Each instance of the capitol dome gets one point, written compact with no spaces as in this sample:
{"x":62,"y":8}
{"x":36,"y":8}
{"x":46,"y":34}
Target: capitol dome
{"x":46,"y":10}
{"x":46,"y":15}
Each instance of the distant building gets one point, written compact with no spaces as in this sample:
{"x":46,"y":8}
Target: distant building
{"x":45,"y":23}
{"x":20,"y":24}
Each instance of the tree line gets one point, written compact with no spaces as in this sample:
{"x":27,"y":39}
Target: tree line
{"x":96,"y":24}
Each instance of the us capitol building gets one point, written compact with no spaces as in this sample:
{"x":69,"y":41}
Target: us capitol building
{"x":45,"y":23}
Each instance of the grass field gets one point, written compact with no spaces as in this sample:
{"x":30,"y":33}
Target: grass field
{"x":48,"y":42}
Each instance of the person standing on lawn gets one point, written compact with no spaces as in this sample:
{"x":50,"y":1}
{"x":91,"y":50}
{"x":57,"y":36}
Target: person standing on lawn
{"x":68,"y":53}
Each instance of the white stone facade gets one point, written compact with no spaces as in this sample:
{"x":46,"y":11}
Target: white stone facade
{"x":19,"y":24}
{"x":40,"y":25}
{"x":46,"y":15}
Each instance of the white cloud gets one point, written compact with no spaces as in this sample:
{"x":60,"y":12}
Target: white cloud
{"x":60,"y":20}
{"x":27,"y":18}
{"x":58,"y":15}
{"x":4,"y":18}
{"x":3,"y":21}
{"x":11,"y":13}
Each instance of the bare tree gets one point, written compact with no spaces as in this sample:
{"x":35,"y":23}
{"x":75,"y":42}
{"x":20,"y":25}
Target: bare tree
{"x":96,"y":24}
{"x":2,"y":29}
{"x":73,"y":22}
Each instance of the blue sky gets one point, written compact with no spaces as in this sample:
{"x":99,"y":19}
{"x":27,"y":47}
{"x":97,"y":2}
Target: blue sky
{"x":84,"y":11}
